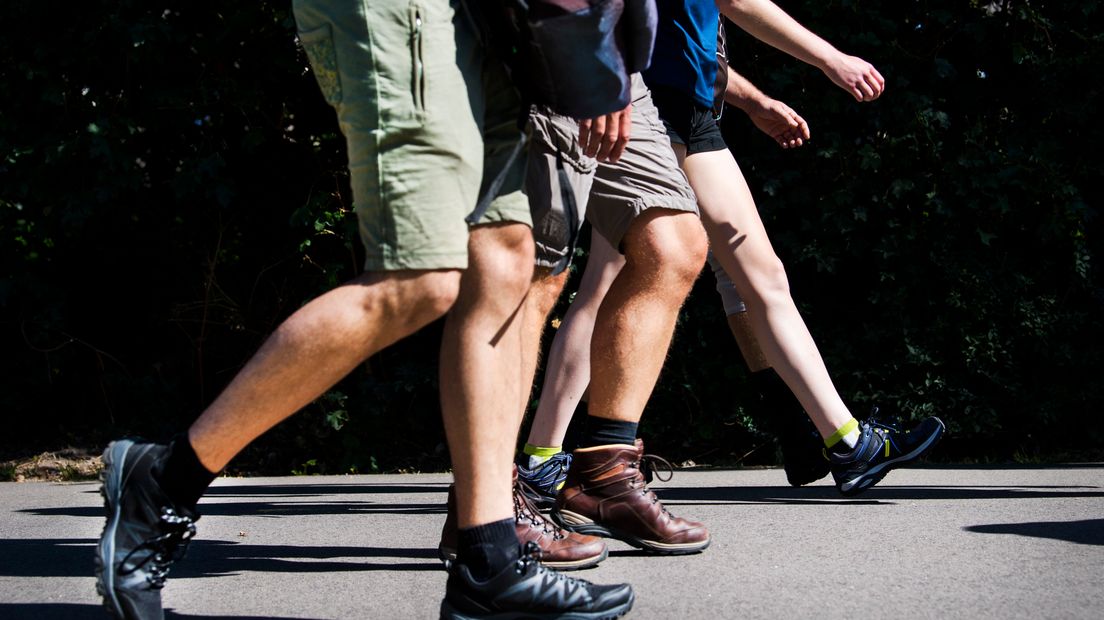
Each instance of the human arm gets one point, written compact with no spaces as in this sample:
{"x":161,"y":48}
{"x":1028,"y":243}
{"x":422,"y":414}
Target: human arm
{"x":606,"y":137}
{"x":765,"y":21}
{"x":772,"y":117}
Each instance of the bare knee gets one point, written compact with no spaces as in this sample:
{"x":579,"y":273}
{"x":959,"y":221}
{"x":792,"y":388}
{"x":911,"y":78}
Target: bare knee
{"x":754,"y":268}
{"x":501,"y":257}
{"x":673,"y":241}
{"x":770,"y":280}
{"x":412,"y":298}
{"x":439,"y":292}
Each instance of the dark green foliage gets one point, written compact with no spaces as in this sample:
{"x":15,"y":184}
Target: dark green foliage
{"x":172,"y":186}
{"x":942,"y":241}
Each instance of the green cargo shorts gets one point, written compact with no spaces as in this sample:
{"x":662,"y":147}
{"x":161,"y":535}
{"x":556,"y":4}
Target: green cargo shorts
{"x":430,"y":123}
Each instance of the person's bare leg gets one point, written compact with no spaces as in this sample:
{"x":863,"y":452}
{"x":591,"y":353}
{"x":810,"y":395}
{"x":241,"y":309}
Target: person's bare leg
{"x":542,"y":297}
{"x":569,"y":358}
{"x":664,"y":252}
{"x":740,"y":243}
{"x":313,"y":349}
{"x":743,"y":330}
{"x":481,"y":361}
{"x":605,"y":492}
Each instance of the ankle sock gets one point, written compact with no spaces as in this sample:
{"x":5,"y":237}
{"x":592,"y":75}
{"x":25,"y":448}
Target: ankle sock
{"x":540,"y":454}
{"x":845,"y":438}
{"x":603,"y":432}
{"x":181,"y":476}
{"x":488,"y":549}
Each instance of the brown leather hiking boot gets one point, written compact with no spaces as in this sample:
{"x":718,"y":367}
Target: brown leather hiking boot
{"x":606,"y":495}
{"x":560,"y":549}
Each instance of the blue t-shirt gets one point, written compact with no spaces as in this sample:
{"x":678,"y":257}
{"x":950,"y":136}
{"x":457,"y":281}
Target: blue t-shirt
{"x":685,"y":56}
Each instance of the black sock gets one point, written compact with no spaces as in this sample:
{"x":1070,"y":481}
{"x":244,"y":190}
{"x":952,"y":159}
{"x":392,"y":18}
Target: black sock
{"x":182,"y":477}
{"x":603,"y":431}
{"x":576,"y":430}
{"x":488,"y":549}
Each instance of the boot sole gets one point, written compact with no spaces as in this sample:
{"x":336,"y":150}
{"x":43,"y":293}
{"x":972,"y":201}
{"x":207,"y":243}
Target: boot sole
{"x":450,"y":613}
{"x":581,"y":525}
{"x":111,"y":490}
{"x":448,"y":554}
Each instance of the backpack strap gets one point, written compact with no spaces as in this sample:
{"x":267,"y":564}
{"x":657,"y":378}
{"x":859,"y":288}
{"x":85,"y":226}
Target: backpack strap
{"x":571,"y":211}
{"x":496,"y":185}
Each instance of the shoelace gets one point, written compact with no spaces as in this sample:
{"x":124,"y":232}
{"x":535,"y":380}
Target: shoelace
{"x":553,"y":471}
{"x":531,"y":558}
{"x":562,"y":462}
{"x":885,"y":427}
{"x":167,"y":548}
{"x":524,"y":509}
{"x":648,"y":466}
{"x":886,"y":430}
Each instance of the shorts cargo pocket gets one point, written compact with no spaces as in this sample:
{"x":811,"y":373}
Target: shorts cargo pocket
{"x":319,"y":46}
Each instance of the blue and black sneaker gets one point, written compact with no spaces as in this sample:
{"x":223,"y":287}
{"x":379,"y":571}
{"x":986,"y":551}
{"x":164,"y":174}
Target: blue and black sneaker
{"x":544,"y":481}
{"x":881,"y":447}
{"x":145,"y":532}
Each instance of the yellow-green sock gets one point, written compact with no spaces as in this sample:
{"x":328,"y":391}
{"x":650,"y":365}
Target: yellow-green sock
{"x":540,"y":454}
{"x":848,"y":434}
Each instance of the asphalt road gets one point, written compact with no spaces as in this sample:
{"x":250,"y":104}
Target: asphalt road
{"x":973,"y":542}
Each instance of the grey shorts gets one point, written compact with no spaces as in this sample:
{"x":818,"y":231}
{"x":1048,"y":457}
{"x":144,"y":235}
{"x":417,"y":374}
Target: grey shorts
{"x":430,"y":124}
{"x":609,"y":196}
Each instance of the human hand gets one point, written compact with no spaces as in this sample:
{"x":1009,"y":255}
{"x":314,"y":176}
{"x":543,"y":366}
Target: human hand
{"x":606,"y":137}
{"x":780,"y":122}
{"x":856,"y":76}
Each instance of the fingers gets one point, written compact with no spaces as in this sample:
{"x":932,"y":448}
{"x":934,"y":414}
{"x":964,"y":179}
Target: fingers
{"x":621,"y":139}
{"x":870,"y":84}
{"x":857,"y":77}
{"x":876,"y":82}
{"x":797,"y":131}
{"x":590,"y":135}
{"x":605,"y":138}
{"x":794,"y":133}
{"x":798,"y":127}
{"x":584,"y":133}
{"x":789,"y":139}
{"x":594,"y":139}
{"x":802,"y":130}
{"x":608,"y":138}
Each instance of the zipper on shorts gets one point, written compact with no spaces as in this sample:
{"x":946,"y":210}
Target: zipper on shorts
{"x":418,"y":60}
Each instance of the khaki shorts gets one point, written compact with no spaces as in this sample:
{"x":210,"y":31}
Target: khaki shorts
{"x":609,"y":196}
{"x":429,"y":121}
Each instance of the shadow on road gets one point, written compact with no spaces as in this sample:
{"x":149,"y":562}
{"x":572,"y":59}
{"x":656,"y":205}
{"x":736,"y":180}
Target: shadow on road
{"x":73,"y":558}
{"x":72,"y":611}
{"x":1087,"y":532}
{"x":266,"y":509}
{"x":813,"y":495}
{"x":881,"y":494}
{"x":313,"y":490}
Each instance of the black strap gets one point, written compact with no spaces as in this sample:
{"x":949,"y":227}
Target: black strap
{"x":496,"y":185}
{"x":571,"y":211}
{"x":720,"y":85}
